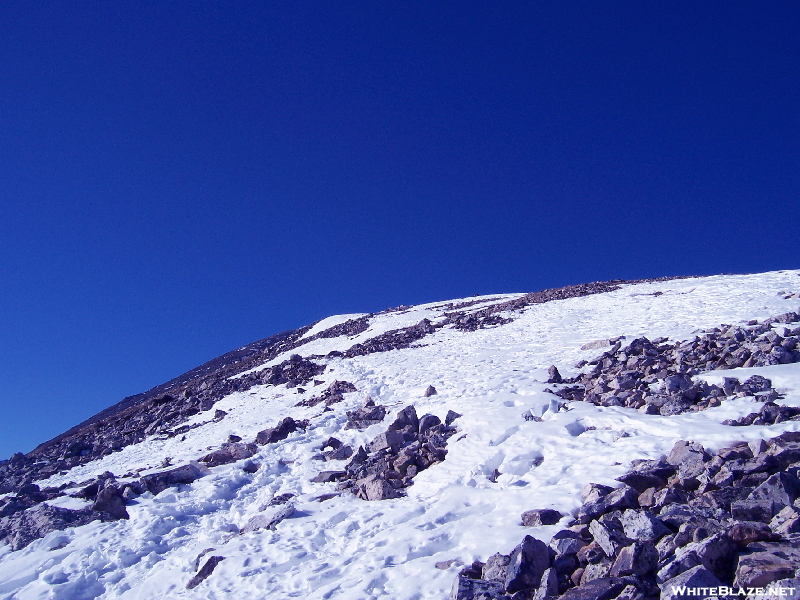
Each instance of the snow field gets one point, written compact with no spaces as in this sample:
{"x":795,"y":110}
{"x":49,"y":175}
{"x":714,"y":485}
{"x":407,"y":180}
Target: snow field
{"x":349,"y":549}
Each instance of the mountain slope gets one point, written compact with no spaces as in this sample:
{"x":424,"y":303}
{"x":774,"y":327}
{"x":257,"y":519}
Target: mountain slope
{"x":488,"y":360}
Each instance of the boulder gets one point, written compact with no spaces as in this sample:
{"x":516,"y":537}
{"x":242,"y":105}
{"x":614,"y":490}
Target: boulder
{"x":110,"y":501}
{"x":269,"y":521}
{"x":540,"y":516}
{"x":603,"y":588}
{"x":203,"y":573}
{"x":527,"y":563}
{"x":465,"y":588}
{"x":279,"y":432}
{"x":608,"y":532}
{"x":619,"y":499}
{"x":696,"y":577}
{"x":639,"y":559}
{"x":22,"y":528}
{"x":496,"y":567}
{"x":642,"y":526}
{"x":762,"y":568}
{"x":158,"y":482}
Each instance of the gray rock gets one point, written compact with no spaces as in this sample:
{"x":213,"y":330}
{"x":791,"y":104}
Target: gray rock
{"x":374,"y":487}
{"x":22,"y":528}
{"x":203,"y":573}
{"x":608,"y":532}
{"x":430,"y":391}
{"x":619,"y":499}
{"x":716,"y":553}
{"x":279,"y":432}
{"x":596,"y":570}
{"x":406,"y":419}
{"x":603,"y":588}
{"x":553,"y":376}
{"x":527,"y":563}
{"x":109,"y":500}
{"x":328,"y":476}
{"x":158,"y":482}
{"x":752,"y":510}
{"x":450,"y":417}
{"x":269,"y":521}
{"x":496,"y":567}
{"x":762,"y":568}
{"x":639,"y":559}
{"x":643,"y":526}
{"x":388,"y":439}
{"x":465,"y":588}
{"x":782,"y":489}
{"x":592,"y":492}
{"x":696,"y":577}
{"x":540,"y":516}
{"x":428,"y":421}
{"x":548,"y":586}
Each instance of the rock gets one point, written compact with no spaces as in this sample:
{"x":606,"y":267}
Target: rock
{"x":406,"y":420}
{"x":109,"y":500}
{"x":443,"y":565}
{"x":158,"y":482}
{"x":328,"y":476}
{"x":640,"y":559}
{"x":548,"y":586}
{"x":279,"y":432}
{"x":269,"y":521}
{"x":716,"y":553}
{"x":762,"y":568}
{"x":527,"y":563}
{"x":203,"y":573}
{"x":752,"y":510}
{"x":642,"y":526}
{"x":428,"y":421}
{"x":496,"y":567}
{"x":608,"y":532}
{"x":388,"y":439}
{"x":591,"y":554}
{"x":465,"y":588}
{"x":756,"y":384}
{"x":450,"y":417}
{"x":684,"y":453}
{"x":747,"y":532}
{"x":641,"y":480}
{"x":674,"y":384}
{"x":782,"y":489}
{"x":594,"y":491}
{"x":374,"y":487}
{"x":603,"y":588}
{"x":540,"y":516}
{"x":228,"y":453}
{"x":340,"y":453}
{"x":368,"y":414}
{"x":553,"y":376}
{"x":619,"y":499}
{"x":22,"y":528}
{"x":696,"y":577}
{"x":566,"y":546}
{"x":430,"y":391}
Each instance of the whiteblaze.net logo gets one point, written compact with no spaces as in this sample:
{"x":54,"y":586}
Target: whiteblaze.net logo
{"x":722,"y":590}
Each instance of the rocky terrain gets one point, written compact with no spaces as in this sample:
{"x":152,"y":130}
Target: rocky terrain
{"x":435,"y":438}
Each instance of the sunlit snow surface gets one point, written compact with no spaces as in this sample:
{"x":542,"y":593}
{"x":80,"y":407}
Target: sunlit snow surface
{"x":347,"y":548}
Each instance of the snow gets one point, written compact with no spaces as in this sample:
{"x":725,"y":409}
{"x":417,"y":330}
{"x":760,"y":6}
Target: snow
{"x":349,"y":549}
{"x":329,"y":322}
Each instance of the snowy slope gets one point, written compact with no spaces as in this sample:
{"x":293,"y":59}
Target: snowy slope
{"x":347,"y":548}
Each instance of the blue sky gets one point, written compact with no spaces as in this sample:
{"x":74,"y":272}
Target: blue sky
{"x":180,"y":178}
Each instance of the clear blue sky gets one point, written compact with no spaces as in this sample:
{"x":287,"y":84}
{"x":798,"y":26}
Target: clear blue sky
{"x":180,"y":178}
